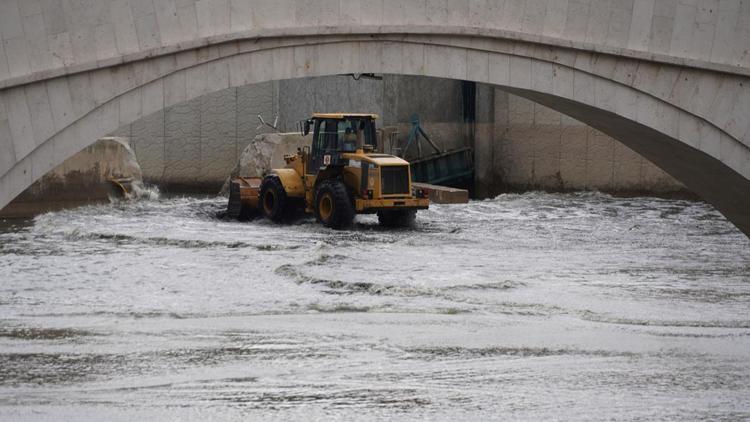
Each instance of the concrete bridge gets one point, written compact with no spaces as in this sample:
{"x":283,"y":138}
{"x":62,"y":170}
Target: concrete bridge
{"x":669,"y":79}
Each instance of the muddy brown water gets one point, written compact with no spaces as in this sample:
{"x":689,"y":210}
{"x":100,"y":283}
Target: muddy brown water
{"x":524,"y":307}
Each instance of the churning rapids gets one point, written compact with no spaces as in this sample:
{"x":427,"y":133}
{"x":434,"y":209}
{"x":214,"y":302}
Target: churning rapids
{"x":533,"y":306}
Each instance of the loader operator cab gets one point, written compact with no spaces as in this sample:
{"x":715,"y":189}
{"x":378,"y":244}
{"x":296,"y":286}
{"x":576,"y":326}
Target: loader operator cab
{"x":334,"y":134}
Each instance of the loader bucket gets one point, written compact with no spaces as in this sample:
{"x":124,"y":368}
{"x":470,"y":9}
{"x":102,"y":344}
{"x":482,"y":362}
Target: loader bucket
{"x":243,"y":197}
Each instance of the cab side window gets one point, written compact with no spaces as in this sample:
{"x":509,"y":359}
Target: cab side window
{"x":325,"y":141}
{"x":328,"y":135}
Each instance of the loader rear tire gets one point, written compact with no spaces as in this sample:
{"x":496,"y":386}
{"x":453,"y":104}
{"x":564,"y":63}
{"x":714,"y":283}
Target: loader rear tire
{"x":333,"y":205}
{"x":274,"y":203}
{"x":397,"y":218}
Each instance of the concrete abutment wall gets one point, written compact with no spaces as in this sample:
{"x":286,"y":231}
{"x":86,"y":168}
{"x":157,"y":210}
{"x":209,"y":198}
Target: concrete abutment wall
{"x":106,"y":169}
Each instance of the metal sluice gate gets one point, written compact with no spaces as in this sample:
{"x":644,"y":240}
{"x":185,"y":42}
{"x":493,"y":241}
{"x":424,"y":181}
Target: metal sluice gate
{"x":447,"y":168}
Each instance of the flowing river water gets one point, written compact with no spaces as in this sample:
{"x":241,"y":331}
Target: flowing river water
{"x":532,"y":306}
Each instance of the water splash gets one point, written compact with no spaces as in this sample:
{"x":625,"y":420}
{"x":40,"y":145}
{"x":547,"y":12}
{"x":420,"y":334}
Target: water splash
{"x":145,"y":192}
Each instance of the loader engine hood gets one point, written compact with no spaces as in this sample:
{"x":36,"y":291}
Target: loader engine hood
{"x":378,"y":159}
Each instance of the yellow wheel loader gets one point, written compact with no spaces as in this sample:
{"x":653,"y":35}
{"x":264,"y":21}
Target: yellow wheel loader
{"x":339,"y":177}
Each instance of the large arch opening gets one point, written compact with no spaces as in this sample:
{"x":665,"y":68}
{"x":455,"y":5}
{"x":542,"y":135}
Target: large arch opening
{"x":703,"y":157}
{"x":518,"y":144}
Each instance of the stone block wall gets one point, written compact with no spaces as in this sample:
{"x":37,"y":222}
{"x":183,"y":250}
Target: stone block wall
{"x":519,"y":144}
{"x":193,"y":146}
{"x":394,"y":98}
{"x":438,"y":103}
{"x":534,"y":147}
{"x":299,"y":98}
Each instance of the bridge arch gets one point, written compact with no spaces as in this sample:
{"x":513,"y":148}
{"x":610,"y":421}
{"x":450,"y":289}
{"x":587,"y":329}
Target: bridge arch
{"x":695,"y":150}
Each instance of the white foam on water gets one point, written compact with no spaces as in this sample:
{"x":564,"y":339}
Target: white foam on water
{"x":528,"y":306}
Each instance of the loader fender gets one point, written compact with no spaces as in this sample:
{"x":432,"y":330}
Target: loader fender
{"x":292,"y":182}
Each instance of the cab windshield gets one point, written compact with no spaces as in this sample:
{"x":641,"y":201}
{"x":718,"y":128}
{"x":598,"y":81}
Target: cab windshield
{"x":345,"y":135}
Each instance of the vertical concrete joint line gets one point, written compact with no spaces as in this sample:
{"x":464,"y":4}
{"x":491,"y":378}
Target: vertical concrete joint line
{"x":276,"y":100}
{"x":641,"y":163}
{"x":612,"y":173}
{"x":559,"y":154}
{"x":534,"y":144}
{"x":586,"y":158}
{"x":7,"y":60}
{"x":200,"y":134}
{"x":130,"y":140}
{"x":675,"y":83}
{"x":466,"y":68}
{"x":54,"y":123}
{"x":163,"y":134}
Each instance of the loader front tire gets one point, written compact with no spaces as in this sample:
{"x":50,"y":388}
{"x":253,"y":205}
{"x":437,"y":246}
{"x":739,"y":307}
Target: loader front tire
{"x":274,"y":203}
{"x":333,"y":206}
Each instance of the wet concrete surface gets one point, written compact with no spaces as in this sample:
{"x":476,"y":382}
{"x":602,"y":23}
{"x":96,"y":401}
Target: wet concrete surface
{"x":531,"y":306}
